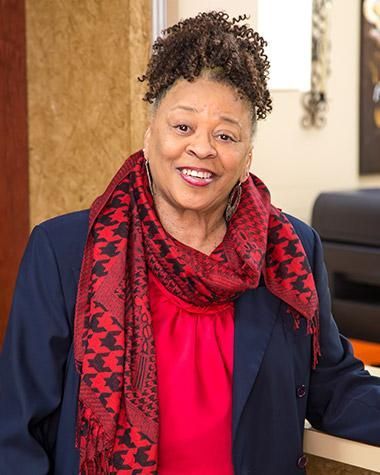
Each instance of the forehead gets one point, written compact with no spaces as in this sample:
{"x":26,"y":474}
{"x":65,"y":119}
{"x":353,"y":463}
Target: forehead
{"x":205,"y":96}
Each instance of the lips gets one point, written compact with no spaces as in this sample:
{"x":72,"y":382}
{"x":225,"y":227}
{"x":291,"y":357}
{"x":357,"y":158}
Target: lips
{"x":196,"y":176}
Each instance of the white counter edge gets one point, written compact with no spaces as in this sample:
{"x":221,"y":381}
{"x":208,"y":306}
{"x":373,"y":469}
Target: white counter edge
{"x":343,"y":450}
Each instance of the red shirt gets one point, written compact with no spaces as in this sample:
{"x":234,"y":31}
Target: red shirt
{"x":194,"y":366}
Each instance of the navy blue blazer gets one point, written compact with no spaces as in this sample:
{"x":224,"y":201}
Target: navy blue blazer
{"x":274,"y":387}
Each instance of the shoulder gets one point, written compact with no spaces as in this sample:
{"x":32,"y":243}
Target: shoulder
{"x":67,"y":223}
{"x":66,"y":235}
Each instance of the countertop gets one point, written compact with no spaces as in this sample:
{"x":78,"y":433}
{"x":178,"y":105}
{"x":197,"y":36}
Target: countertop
{"x":343,"y":450}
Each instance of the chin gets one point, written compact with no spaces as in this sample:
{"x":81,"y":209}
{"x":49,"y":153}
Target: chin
{"x":197,"y":206}
{"x":191,"y":206}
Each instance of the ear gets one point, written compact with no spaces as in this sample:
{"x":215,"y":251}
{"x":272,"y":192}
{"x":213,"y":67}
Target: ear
{"x":247,"y":167}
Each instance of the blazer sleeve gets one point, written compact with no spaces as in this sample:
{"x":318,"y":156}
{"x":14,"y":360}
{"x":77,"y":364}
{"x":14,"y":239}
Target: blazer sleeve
{"x":344,"y":400}
{"x":32,"y":363}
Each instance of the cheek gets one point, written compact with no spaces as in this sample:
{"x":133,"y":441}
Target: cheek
{"x":167,"y":151}
{"x":235,"y":166}
{"x":164,"y":154}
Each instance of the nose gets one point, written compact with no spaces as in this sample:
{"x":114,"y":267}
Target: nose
{"x":201,"y":146}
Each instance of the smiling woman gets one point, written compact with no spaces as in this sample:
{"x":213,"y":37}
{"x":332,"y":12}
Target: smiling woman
{"x":197,"y":336}
{"x":199,"y":148}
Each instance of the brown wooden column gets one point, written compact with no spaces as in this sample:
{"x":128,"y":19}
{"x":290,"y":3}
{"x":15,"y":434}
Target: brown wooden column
{"x":14,"y":195}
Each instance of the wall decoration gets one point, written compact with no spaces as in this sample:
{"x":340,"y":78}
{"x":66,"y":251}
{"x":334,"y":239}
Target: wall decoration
{"x":315,"y":101}
{"x":370,"y":88}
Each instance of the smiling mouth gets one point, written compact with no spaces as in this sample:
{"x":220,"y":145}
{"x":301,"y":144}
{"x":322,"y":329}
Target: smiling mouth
{"x":196,"y":172}
{"x":196,"y":176}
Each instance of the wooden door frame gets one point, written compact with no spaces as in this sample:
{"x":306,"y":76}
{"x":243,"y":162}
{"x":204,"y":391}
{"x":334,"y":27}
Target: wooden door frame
{"x":14,"y":175}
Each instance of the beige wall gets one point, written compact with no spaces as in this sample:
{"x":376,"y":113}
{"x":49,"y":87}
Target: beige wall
{"x":85,"y":110}
{"x":82,"y":106}
{"x":298,"y":164}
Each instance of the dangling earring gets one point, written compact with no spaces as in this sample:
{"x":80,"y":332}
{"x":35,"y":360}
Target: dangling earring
{"x":149,"y":175}
{"x":233,"y":202}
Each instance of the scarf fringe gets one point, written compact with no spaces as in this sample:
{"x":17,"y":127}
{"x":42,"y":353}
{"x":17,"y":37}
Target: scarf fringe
{"x":312,"y":328}
{"x":95,"y":449}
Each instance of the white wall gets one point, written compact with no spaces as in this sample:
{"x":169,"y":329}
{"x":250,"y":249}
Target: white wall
{"x":184,"y":8}
{"x":295,"y":163}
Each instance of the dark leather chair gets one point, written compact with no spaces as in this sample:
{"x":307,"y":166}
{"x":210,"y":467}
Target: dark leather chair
{"x":349,"y":225}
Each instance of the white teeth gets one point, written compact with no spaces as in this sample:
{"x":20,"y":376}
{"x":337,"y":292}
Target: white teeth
{"x":196,"y":173}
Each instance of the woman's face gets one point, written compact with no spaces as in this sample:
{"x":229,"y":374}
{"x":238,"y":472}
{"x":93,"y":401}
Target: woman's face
{"x":199,"y":145}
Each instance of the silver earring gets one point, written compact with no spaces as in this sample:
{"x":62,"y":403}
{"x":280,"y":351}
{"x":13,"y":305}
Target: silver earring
{"x":149,"y":175}
{"x":233,"y":202}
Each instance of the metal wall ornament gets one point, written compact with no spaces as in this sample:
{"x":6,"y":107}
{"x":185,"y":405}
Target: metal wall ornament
{"x":315,"y":101}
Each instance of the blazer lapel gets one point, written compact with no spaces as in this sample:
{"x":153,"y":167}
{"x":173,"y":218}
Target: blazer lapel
{"x":255,"y":314}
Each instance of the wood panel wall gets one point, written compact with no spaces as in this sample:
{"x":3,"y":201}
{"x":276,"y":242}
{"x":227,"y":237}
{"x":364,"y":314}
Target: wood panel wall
{"x":14,"y":207}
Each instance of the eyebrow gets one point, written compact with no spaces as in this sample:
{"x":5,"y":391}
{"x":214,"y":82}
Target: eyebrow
{"x":186,"y":108}
{"x":226,"y":118}
{"x":231,"y":120}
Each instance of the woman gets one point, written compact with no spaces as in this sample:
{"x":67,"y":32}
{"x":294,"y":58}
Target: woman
{"x":199,"y":336}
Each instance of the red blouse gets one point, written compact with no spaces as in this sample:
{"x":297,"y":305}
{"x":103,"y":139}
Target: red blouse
{"x":194,"y":367}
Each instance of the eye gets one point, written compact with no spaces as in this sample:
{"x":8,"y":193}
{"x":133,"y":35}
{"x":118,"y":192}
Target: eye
{"x":226,"y":138}
{"x":182,"y":128}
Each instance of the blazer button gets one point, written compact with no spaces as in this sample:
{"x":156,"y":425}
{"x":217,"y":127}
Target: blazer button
{"x":302,"y":461}
{"x":301,"y":391}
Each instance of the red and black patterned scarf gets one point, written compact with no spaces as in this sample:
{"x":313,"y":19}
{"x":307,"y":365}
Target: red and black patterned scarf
{"x":117,"y":421}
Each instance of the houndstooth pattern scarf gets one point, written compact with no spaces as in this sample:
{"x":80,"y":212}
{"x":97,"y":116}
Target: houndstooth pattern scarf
{"x":117,"y":421}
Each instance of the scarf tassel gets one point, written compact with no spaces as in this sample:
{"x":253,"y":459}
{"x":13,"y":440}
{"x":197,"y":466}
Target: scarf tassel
{"x":95,"y":449}
{"x":312,"y":329}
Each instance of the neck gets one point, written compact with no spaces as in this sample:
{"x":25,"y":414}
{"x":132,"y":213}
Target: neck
{"x":201,"y":231}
